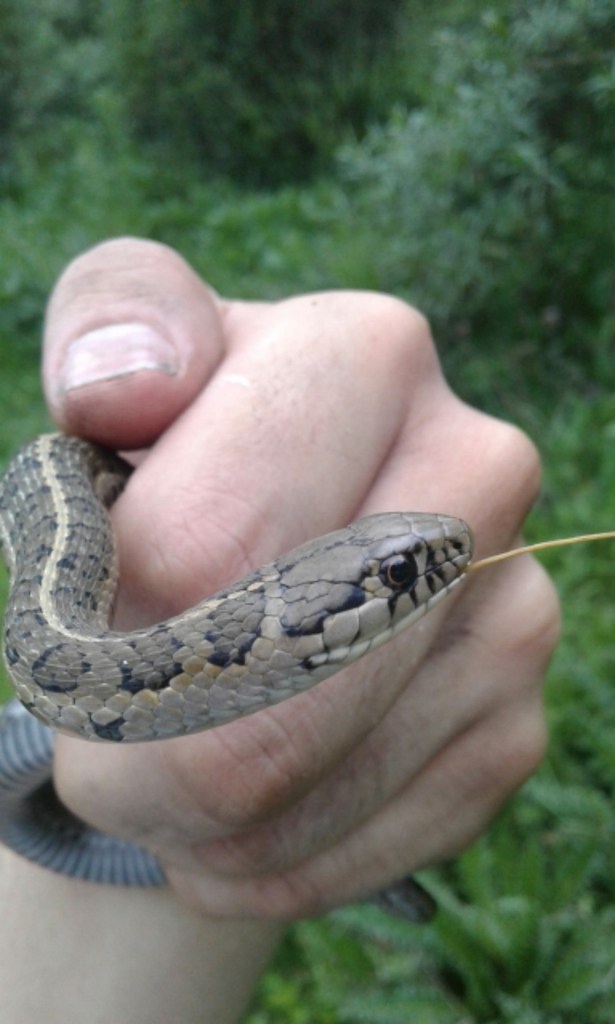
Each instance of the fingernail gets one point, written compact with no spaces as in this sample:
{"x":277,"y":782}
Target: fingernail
{"x":115,"y":351}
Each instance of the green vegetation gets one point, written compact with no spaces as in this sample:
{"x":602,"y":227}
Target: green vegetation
{"x":464,"y":161}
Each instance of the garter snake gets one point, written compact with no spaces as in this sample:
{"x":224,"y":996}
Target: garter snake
{"x":278,"y":631}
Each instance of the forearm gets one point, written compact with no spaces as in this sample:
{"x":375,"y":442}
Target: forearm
{"x":76,"y":953}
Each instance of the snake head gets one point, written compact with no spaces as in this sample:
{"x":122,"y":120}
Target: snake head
{"x":353,"y":590}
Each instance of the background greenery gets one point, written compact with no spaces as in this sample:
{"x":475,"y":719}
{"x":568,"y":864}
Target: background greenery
{"x":459,"y":155}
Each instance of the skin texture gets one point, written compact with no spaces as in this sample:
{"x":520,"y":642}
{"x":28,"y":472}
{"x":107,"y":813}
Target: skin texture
{"x":75,"y":953}
{"x":271,"y":424}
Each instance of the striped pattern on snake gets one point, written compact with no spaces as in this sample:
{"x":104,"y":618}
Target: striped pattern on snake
{"x":281,"y":629}
{"x":278,"y":631}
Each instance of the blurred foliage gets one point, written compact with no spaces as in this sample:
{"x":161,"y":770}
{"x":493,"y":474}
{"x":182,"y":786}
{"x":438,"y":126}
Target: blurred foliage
{"x":260,"y":91}
{"x":474,"y":176}
{"x":53,"y":67}
{"x":494,"y":202}
{"x":257,"y":89}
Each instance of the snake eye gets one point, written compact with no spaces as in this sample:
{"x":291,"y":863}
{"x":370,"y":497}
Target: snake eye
{"x":399,"y":571}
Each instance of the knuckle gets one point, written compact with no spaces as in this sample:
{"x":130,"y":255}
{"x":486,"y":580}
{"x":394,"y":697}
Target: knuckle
{"x":533,"y":608}
{"x":525,"y":746}
{"x":521,"y":454}
{"x":272,"y":897}
{"x":242,"y":803}
{"x":396,"y":334}
{"x":409,"y":339}
{"x":502,"y":452}
{"x":405,"y":320}
{"x":497,"y":472}
{"x":287,"y":897}
{"x":255,"y":852}
{"x":506,"y":748}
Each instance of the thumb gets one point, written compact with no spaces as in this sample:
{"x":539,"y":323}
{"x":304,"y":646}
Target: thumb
{"x":131,"y":336}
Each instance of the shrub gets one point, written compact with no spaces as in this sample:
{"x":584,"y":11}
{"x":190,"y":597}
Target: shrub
{"x":492,"y":205}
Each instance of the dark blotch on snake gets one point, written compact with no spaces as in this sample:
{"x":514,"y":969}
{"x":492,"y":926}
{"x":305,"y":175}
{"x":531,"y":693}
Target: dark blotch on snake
{"x":304,"y":618}
{"x":110,"y":731}
{"x":68,"y":562}
{"x":11,"y":655}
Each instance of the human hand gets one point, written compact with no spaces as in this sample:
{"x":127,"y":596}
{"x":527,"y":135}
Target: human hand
{"x":267,"y":424}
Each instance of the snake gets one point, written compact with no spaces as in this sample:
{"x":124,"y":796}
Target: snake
{"x":275,"y":633}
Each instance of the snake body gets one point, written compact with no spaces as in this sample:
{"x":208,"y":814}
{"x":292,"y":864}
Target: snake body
{"x":278,"y":631}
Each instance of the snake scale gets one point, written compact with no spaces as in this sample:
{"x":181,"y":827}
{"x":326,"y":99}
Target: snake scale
{"x":275,"y":633}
